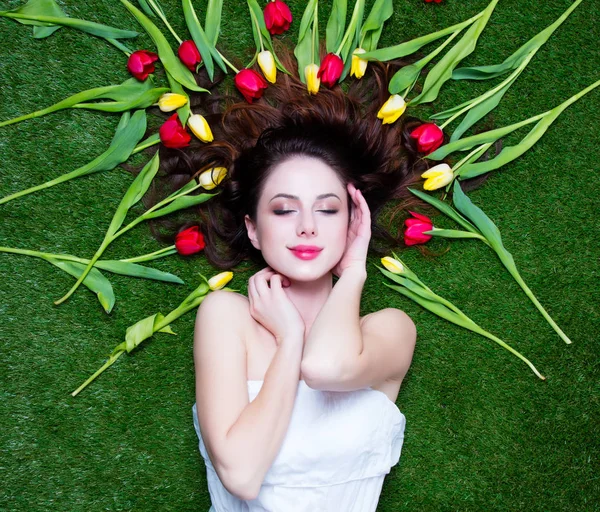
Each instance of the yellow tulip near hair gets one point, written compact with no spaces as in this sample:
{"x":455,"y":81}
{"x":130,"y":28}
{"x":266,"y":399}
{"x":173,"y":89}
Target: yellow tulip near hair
{"x":210,"y":178}
{"x":313,"y":82}
{"x":392,"y":109}
{"x":437,"y":177}
{"x":200,"y":128}
{"x":266,"y":62}
{"x":359,"y":66}
{"x":171,"y":101}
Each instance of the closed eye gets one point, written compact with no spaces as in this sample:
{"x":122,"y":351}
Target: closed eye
{"x":283,"y":212}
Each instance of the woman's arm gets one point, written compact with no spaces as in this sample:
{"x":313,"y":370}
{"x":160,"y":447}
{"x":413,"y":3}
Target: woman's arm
{"x":335,"y":340}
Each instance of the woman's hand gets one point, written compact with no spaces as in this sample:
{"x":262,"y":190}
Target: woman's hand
{"x":271,"y":307}
{"x":359,"y":234}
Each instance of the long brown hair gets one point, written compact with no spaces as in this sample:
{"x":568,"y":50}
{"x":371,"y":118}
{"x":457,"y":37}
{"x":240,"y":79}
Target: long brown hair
{"x":336,"y":125}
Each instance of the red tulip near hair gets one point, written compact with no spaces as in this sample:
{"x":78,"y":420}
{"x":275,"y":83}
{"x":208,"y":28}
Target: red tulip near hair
{"x":189,"y":54}
{"x":413,"y":234}
{"x":331,"y":69}
{"x":173,"y":134}
{"x":250,"y":84}
{"x":429,"y":137}
{"x":189,"y":241}
{"x":141,"y":63}
{"x":278,"y":17}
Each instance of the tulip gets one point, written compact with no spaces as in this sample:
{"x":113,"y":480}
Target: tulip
{"x":210,"y":178}
{"x":392,"y":109}
{"x":189,"y":241}
{"x":312,"y":78}
{"x":393,"y":265}
{"x":141,"y":63}
{"x":438,"y":176}
{"x":429,"y":137}
{"x":436,"y":1}
{"x":250,"y":84}
{"x":173,"y":134}
{"x":220,"y":280}
{"x":189,"y":54}
{"x":359,"y":66}
{"x":277,"y":17}
{"x":171,"y":101}
{"x":200,"y":127}
{"x":331,"y":69}
{"x":267,"y":65}
{"x":413,"y":234}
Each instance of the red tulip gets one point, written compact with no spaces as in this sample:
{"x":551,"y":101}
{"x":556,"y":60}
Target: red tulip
{"x":429,"y":137}
{"x":331,"y":69}
{"x":141,"y":63}
{"x":277,"y":17}
{"x":189,"y":54}
{"x":189,"y":241}
{"x":250,"y":84}
{"x":436,"y":1}
{"x":173,"y":134}
{"x":413,"y":234}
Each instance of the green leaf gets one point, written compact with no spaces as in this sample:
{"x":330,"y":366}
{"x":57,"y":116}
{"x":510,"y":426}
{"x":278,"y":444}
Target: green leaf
{"x":129,"y":132}
{"x":370,"y":32}
{"x":41,"y":30}
{"x":134,"y":193}
{"x":171,"y":63}
{"x":411,"y":285}
{"x":135,"y":270}
{"x":410,"y":47}
{"x":185,"y":111}
{"x":451,"y":233}
{"x":213,"y":20}
{"x":179,"y":204}
{"x":509,"y":153}
{"x":445,"y":209}
{"x":403,"y":78}
{"x":96,"y":29}
{"x":442,"y":71}
{"x":199,"y":37}
{"x":306,"y":51}
{"x":257,"y":16}
{"x":146,"y":8}
{"x":95,"y":281}
{"x":143,"y":330}
{"x":353,"y":34}
{"x":335,"y":25}
{"x":144,"y":100}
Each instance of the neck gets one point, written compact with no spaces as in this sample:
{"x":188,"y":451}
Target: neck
{"x":309,"y":297}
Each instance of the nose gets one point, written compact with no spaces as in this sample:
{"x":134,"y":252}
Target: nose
{"x":307,"y":223}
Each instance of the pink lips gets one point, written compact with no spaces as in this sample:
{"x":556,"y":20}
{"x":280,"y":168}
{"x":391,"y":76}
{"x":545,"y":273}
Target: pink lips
{"x":306,"y":252}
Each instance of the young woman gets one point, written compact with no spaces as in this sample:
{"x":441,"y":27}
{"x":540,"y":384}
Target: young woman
{"x":295,"y":391}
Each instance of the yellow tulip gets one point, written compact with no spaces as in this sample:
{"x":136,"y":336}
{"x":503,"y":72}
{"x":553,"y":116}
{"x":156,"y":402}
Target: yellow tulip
{"x":313,"y":82}
{"x":267,"y":65}
{"x":220,"y":280}
{"x":438,"y":176}
{"x":200,"y":128}
{"x":392,"y":109}
{"x":210,"y":178}
{"x":392,"y":265}
{"x":359,"y":66}
{"x":171,"y":101}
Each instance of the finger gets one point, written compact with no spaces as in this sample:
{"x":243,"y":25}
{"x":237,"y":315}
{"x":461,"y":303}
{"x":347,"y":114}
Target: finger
{"x":252,"y":294}
{"x":262,"y":287}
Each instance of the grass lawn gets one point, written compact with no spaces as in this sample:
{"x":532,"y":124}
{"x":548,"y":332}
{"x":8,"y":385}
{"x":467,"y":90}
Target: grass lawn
{"x":483,"y":432}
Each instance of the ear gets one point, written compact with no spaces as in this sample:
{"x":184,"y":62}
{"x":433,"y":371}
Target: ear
{"x":251,"y":229}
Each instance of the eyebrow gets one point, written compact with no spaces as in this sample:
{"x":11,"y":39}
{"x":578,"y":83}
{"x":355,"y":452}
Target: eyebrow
{"x":290,"y":196}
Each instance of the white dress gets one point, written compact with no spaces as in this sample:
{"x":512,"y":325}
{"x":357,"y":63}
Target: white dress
{"x":336,"y":452}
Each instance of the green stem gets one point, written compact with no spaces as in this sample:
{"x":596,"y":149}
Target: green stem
{"x":351,"y":27}
{"x":150,"y":141}
{"x":162,"y":17}
{"x":514,"y":272}
{"x":108,"y":363}
{"x":120,"y":46}
{"x":227,"y":62}
{"x":475,"y":328}
{"x":314,"y":33}
{"x":167,"y":251}
{"x":255,"y":21}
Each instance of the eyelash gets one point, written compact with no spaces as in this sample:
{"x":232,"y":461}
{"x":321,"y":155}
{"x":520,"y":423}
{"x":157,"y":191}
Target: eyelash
{"x":283,"y":212}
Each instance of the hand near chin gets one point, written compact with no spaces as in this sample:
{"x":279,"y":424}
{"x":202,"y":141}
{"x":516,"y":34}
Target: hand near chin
{"x":359,"y":235}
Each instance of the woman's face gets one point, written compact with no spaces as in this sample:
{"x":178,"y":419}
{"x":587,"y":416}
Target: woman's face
{"x":303,"y":202}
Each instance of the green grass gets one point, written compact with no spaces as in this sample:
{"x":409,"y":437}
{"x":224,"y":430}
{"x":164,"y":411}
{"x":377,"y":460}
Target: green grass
{"x":483,"y":433}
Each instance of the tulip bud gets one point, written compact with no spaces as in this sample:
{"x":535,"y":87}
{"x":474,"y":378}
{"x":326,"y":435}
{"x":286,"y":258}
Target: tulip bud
{"x":312,"y":78}
{"x":200,"y":127}
{"x":210,"y":178}
{"x":189,"y":241}
{"x":267,"y":65}
{"x":413,"y":234}
{"x":392,"y":265}
{"x":141,"y":63}
{"x":331,"y":69}
{"x":278,"y":17}
{"x":173,"y":134}
{"x":392,"y":109}
{"x":429,"y":137}
{"x":359,"y":66}
{"x":438,"y":176}
{"x":171,"y":101}
{"x":189,"y":54}
{"x":220,"y":280}
{"x":250,"y":84}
